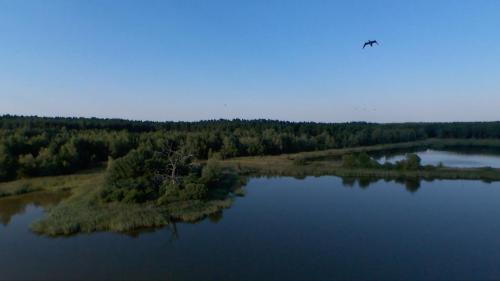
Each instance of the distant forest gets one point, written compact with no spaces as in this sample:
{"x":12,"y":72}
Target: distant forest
{"x":41,"y":146}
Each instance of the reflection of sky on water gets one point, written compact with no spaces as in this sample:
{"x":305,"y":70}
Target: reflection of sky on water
{"x":450,"y":159}
{"x":284,"y":228}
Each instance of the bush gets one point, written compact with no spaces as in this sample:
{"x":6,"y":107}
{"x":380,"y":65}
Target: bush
{"x":348,"y":161}
{"x":127,"y":179}
{"x":411,"y":162}
{"x":194,"y":191}
{"x":164,"y":175}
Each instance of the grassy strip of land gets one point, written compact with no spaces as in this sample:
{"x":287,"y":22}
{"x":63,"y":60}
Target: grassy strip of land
{"x":51,"y":184}
{"x":329,"y":162}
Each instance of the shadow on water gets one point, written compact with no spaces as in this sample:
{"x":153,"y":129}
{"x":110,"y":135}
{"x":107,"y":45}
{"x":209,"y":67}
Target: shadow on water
{"x":13,"y":205}
{"x":411,"y":184}
{"x":170,"y":228}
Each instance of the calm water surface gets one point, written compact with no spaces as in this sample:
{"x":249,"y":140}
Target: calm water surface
{"x":450,"y":159}
{"x":284,"y":228}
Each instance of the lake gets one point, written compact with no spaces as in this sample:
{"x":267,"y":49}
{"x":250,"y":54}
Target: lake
{"x":284,"y":228}
{"x":449,"y":159}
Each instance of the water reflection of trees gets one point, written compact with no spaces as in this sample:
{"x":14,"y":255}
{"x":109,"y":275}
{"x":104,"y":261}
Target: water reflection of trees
{"x":13,"y":205}
{"x":171,"y":228}
{"x":411,"y":184}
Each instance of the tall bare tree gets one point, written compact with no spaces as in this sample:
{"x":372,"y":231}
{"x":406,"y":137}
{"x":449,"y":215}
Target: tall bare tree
{"x":176,"y":159}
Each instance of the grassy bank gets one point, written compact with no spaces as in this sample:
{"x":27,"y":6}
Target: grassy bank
{"x":73,"y":182}
{"x":85,"y":214}
{"x":329,"y":162}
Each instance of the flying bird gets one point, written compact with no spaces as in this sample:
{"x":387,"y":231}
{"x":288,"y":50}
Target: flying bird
{"x":370,"y":42}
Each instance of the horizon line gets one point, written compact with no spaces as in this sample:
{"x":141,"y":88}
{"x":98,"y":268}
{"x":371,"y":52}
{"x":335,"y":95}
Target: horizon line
{"x":8,"y":115}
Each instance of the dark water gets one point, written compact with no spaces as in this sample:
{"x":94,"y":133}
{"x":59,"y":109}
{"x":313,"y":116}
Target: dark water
{"x":284,"y":228}
{"x":450,"y":159}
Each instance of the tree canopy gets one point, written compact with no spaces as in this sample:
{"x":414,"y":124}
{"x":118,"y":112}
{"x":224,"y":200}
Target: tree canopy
{"x":39,"y":146}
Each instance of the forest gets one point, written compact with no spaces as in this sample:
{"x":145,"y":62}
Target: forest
{"x":125,"y":174}
{"x":42,"y":146}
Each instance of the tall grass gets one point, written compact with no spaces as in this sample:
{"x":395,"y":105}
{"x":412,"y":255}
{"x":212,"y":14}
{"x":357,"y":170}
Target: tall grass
{"x":86,"y":212}
{"x":74,"y":182}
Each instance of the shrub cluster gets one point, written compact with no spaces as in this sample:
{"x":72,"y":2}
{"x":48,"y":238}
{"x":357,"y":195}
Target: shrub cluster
{"x":165,"y":175}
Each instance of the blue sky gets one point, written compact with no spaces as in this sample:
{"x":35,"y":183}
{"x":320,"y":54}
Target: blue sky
{"x":289,"y":60}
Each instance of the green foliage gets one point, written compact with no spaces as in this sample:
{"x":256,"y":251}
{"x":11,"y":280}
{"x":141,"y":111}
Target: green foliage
{"x":195,"y":191}
{"x":230,"y":147}
{"x":359,"y":160}
{"x":411,"y":162}
{"x":128,"y":178}
{"x":349,"y":161}
{"x":27,"y":165}
{"x":211,"y":173}
{"x":161,"y":174}
{"x":67,"y":145}
{"x":8,"y":165}
{"x":253,"y":145}
{"x":120,"y":143}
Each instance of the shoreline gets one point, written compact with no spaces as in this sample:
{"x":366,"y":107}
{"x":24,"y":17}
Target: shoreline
{"x":83,"y":212}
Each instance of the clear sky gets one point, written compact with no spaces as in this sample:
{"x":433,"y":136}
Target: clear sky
{"x":289,"y":60}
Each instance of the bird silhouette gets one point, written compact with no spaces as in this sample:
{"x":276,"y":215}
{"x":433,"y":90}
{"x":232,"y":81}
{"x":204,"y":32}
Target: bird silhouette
{"x":370,"y":42}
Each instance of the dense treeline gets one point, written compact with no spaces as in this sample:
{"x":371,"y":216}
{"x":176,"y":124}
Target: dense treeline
{"x":36,"y":146}
{"x":161,"y":171}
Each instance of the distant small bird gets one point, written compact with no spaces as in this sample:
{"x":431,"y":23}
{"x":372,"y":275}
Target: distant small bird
{"x":370,"y":42}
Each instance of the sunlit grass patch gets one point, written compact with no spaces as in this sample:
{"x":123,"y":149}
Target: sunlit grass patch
{"x":76,"y":182}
